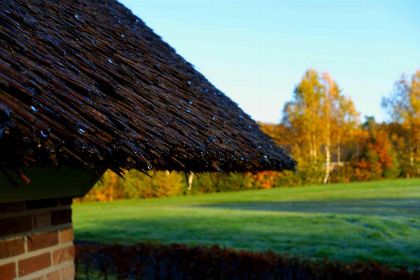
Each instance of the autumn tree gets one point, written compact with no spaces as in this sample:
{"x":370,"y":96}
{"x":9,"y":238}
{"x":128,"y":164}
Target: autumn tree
{"x":320,"y":118}
{"x":108,"y":188}
{"x":339,"y":117}
{"x":403,"y":105}
{"x":377,"y":158}
{"x":302,"y":116}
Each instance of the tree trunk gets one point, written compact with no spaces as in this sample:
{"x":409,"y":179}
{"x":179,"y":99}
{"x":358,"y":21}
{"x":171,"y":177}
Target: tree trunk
{"x":411,"y":157}
{"x":327,"y":161}
{"x":190,"y":178}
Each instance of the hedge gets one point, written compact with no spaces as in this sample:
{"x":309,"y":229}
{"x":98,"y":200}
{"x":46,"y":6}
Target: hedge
{"x":156,"y":261}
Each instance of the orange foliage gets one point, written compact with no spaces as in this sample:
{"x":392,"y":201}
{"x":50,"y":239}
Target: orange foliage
{"x":265,"y":179}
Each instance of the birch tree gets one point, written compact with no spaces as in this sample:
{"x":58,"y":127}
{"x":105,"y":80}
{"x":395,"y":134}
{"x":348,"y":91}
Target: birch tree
{"x":303,"y":115}
{"x":339,"y":117}
{"x":320,"y":118}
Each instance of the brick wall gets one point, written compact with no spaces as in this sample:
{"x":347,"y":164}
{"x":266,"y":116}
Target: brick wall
{"x":36,"y":240}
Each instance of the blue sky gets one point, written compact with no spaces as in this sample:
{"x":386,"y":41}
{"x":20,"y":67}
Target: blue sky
{"x":256,"y":51}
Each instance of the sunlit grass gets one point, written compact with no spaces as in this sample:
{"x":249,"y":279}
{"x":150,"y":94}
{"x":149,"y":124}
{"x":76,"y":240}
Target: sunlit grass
{"x":358,"y":221}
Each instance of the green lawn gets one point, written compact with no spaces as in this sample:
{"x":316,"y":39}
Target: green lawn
{"x":358,"y":221}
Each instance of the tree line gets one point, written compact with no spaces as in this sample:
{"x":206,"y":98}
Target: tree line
{"x":322,"y":130}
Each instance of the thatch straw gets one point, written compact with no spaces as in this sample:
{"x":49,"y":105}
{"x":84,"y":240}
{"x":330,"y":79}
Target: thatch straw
{"x":88,"y":82}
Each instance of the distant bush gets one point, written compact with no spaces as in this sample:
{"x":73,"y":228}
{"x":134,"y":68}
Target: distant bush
{"x":135,"y":184}
{"x":148,"y":261}
{"x":221,"y":182}
{"x":140,"y":185}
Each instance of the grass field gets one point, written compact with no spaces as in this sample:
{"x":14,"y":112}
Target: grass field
{"x":358,"y":221}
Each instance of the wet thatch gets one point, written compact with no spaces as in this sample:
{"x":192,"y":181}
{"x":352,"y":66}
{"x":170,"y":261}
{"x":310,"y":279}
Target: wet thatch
{"x":88,"y":83}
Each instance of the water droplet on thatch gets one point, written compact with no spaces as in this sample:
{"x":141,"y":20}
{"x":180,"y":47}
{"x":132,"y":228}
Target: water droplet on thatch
{"x":190,"y":102}
{"x":44,"y":134}
{"x":122,"y":35}
{"x":34,"y":109}
{"x":82,"y":131}
{"x":5,"y":131}
{"x":110,"y":60}
{"x":189,"y":82}
{"x":76,"y":16}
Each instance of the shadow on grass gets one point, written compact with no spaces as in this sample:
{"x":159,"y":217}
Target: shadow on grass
{"x":382,"y":207}
{"x":371,"y":243}
{"x":393,"y":240}
{"x":306,"y":236}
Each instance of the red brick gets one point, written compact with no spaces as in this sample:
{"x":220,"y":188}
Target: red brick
{"x":68,"y":273}
{"x":61,"y":217}
{"x":11,"y":247}
{"x":15,"y":225}
{"x":42,"y":220}
{"x":42,"y":240}
{"x":11,"y":207}
{"x":62,"y":255}
{"x":55,"y":275}
{"x":8,"y":271}
{"x":33,"y":264}
{"x":66,"y":235}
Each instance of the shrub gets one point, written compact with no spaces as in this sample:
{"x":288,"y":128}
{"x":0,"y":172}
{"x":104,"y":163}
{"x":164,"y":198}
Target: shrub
{"x":153,"y":261}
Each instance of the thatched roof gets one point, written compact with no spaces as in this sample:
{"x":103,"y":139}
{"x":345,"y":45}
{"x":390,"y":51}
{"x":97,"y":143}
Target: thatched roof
{"x":88,"y":82}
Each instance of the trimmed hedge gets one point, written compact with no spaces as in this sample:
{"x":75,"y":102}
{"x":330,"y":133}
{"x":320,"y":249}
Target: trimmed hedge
{"x":151,"y":261}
